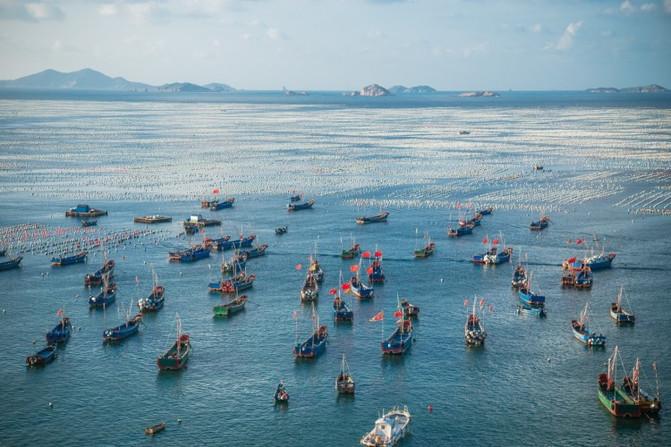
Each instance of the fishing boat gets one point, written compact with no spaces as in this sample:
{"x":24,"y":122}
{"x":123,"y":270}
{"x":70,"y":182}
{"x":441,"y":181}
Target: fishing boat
{"x":493,"y":256}
{"x":344,"y":383}
{"x":460,"y":231}
{"x":96,"y":278}
{"x":310,"y":289}
{"x":192,"y":254}
{"x":359,"y":289}
{"x":425,"y":251}
{"x":256,"y":252}
{"x":464,"y":132}
{"x":234,"y":266}
{"x":600,"y":262}
{"x":85,"y":211}
{"x":540,"y":224}
{"x":106,"y":296}
{"x":281,"y":230}
{"x":400,"y":341}
{"x":234,"y":306}
{"x":409,"y":309}
{"x":341,"y":310}
{"x":650,"y":405}
{"x":375,"y":274}
{"x":619,"y":313}
{"x":583,"y":278}
{"x":472,"y":222}
{"x":154,"y":429}
{"x":119,"y":333}
{"x":300,"y":206}
{"x":89,"y":223}
{"x":613,"y":397}
{"x":236,"y":284}
{"x":60,"y":261}
{"x":525,"y":309}
{"x":178,"y":355}
{"x":352,"y":252}
{"x":207,"y":203}
{"x":11,"y":264}
{"x":474,"y":330}
{"x":153,"y":302}
{"x":382,"y":217}
{"x":225,"y":243}
{"x":199,"y":221}
{"x":281,"y":394}
{"x":217,"y":205}
{"x":583,"y":334}
{"x":528,"y":297}
{"x":152,"y":219}
{"x":315,"y":269}
{"x":316,"y":343}
{"x":389,"y":429}
{"x":61,"y":333}
{"x":519,"y":277}
{"x":485,"y":211}
{"x":42,"y":357}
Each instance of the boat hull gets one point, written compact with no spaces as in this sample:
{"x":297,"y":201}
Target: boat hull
{"x":177,"y":356}
{"x":11,"y":264}
{"x":617,"y":402}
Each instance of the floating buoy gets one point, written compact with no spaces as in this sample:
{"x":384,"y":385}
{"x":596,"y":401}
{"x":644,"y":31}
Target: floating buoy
{"x":179,"y":421}
{"x":430,"y":408}
{"x":441,"y":280}
{"x":51,"y":405}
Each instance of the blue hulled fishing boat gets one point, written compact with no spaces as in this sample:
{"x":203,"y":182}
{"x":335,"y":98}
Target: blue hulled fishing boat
{"x":192,"y":254}
{"x":315,"y":345}
{"x":217,"y":205}
{"x":540,"y":224}
{"x":375,"y":274}
{"x":153,"y":302}
{"x":493,"y":256}
{"x":60,"y":333}
{"x":236,"y":284}
{"x":361,"y":290}
{"x":300,"y":206}
{"x":528,"y":297}
{"x":60,"y":261}
{"x":106,"y":296}
{"x":519,"y":277}
{"x":532,"y":310}
{"x":474,"y":330}
{"x":128,"y":329}
{"x":619,"y":313}
{"x":225,"y":243}
{"x":11,"y":264}
{"x":583,"y":334}
{"x":341,"y":310}
{"x":96,"y":278}
{"x":485,"y":211}
{"x":400,"y":341}
{"x":256,"y":252}
{"x":600,"y":262}
{"x":85,"y":211}
{"x":42,"y":357}
{"x":460,"y":231}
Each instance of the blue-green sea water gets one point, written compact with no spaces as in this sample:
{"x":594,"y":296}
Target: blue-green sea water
{"x":608,"y":177}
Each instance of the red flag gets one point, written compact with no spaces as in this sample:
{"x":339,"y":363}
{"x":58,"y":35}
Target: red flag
{"x":369,"y":270}
{"x":571,"y":260}
{"x":215,"y":191}
{"x":398,"y":314}
{"x":579,"y":241}
{"x":299,"y":266}
{"x":495,"y":241}
{"x":378,"y":254}
{"x":354,"y":268}
{"x":485,"y":240}
{"x":333,"y":291}
{"x":365,"y":254}
{"x":378,"y":316}
{"x":346,"y":286}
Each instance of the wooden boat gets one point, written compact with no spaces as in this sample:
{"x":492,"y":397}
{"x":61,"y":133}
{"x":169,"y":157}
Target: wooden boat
{"x":474,"y":330}
{"x":11,"y":264}
{"x":96,"y":278}
{"x":281,"y":230}
{"x":352,"y":252}
{"x":619,"y":313}
{"x":234,"y":306}
{"x":89,"y":223}
{"x":400,"y":341}
{"x":409,"y":309}
{"x":382,"y":217}
{"x":119,"y":333}
{"x":42,"y":357}
{"x":540,"y":224}
{"x":344,"y":383}
{"x":375,"y":274}
{"x":192,"y":254}
{"x":460,"y":231}
{"x":389,"y":429}
{"x":426,"y":251}
{"x":649,"y":405}
{"x":613,"y":397}
{"x":528,"y":297}
{"x":152,"y":219}
{"x":361,"y":290}
{"x":153,"y":302}
{"x":526,"y":309}
{"x":583,"y":334}
{"x":600,"y":262}
{"x":315,"y":345}
{"x":61,"y":261}
{"x":310,"y":290}
{"x":60,"y":333}
{"x":519,"y":277}
{"x":300,"y":206}
{"x":256,"y":252}
{"x":281,"y":394}
{"x":85,"y":211}
{"x":223,"y":204}
{"x":236,"y":284}
{"x":178,"y":355}
{"x":106,"y":296}
{"x":154,"y":429}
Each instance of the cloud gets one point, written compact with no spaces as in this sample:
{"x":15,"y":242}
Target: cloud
{"x":536,"y":28}
{"x":626,"y":7}
{"x":648,"y":7}
{"x":29,"y":11}
{"x":566,"y":40}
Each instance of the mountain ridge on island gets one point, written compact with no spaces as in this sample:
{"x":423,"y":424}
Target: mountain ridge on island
{"x":89,"y":79}
{"x":652,"y":88}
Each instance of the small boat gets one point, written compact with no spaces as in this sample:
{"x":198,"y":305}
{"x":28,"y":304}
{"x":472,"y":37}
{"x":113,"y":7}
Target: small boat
{"x":178,"y":355}
{"x":153,"y":302}
{"x":613,"y":397}
{"x":400,"y":341}
{"x":154,"y":429}
{"x":528,"y":297}
{"x":464,"y":132}
{"x":650,"y":405}
{"x":389,"y":429}
{"x":600,"y":262}
{"x":106,"y":296}
{"x":315,"y":269}
{"x":316,"y":343}
{"x":89,"y":223}
{"x":519,"y":277}
{"x":234,"y":306}
{"x":310,"y":289}
{"x":485,"y":211}
{"x":540,"y":224}
{"x":152,"y":219}
{"x":344,"y":383}
{"x":619,"y":313}
{"x":583,"y":334}
{"x":42,"y":357}
{"x":300,"y":206}
{"x":526,"y":309}
{"x":341,"y":310}
{"x":474,"y":330}
{"x":409,"y":309}
{"x":460,"y":231}
{"x":382,"y":217}
{"x":192,"y":254}
{"x":281,"y":395}
{"x":61,"y":261}
{"x":217,"y":205}
{"x":281,"y":230}
{"x":352,"y":252}
{"x":128,"y":329}
{"x":375,"y":274}
{"x":427,"y":250}
{"x":60,"y":333}
{"x":85,"y":211}
{"x":11,"y":264}
{"x":361,"y":290}
{"x":236,"y":284}
{"x":583,"y":278}
{"x":96,"y":278}
{"x":538,"y":167}
{"x":256,"y":252}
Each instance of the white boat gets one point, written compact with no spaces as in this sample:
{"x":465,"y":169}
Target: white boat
{"x":389,"y":429}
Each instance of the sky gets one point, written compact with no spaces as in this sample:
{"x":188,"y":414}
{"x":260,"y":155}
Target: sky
{"x":345,"y":44}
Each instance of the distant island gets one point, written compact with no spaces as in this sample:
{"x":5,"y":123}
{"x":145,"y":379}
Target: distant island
{"x":652,"y":88}
{"x":88,"y":79}
{"x":485,"y":93}
{"x":416,"y":90}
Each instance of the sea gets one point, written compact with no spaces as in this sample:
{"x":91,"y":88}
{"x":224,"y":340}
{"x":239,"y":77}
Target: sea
{"x":429,"y":161}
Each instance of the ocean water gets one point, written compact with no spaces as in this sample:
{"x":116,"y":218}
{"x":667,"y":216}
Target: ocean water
{"x":607,"y":176}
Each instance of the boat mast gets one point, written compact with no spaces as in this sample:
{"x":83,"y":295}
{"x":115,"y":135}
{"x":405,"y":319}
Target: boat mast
{"x":179,"y":333}
{"x":635,"y":377}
